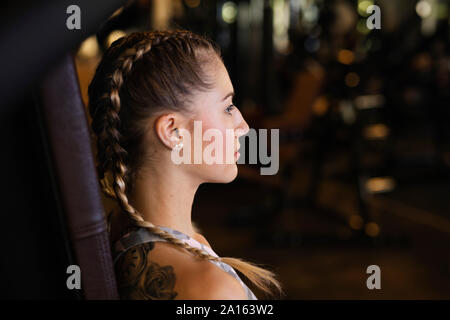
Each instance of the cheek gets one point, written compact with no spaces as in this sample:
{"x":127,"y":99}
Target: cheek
{"x":219,"y":125}
{"x":215,"y":173}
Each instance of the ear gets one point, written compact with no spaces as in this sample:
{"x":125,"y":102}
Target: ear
{"x":165,"y":126}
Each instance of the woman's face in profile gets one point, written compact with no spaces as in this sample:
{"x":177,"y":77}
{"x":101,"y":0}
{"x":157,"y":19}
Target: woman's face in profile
{"x":221,"y":125}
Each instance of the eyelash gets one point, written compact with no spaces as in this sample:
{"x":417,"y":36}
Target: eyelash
{"x":230,"y":107}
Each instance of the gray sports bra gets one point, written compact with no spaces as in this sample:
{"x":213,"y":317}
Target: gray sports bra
{"x":143,"y":235}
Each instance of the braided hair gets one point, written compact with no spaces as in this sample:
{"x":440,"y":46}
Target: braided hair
{"x":140,"y":75}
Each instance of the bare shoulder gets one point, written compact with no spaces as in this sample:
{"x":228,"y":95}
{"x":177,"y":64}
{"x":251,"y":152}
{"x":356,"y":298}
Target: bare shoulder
{"x":209,"y":282}
{"x":201,"y":239}
{"x":142,"y":275}
{"x":159,"y":270}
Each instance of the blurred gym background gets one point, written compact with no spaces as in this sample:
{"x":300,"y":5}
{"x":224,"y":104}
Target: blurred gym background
{"x":364,"y":138}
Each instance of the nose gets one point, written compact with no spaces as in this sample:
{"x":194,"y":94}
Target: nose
{"x":242,"y":129}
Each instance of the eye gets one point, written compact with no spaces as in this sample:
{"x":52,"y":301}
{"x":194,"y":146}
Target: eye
{"x":229,"y":108}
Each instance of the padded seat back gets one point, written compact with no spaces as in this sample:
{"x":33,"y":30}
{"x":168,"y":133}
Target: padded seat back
{"x":71,"y":151}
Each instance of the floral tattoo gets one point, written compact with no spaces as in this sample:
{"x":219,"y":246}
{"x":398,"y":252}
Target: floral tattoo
{"x":141,"y":279}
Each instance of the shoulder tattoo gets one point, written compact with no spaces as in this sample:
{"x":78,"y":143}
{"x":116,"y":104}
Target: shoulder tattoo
{"x":141,"y":279}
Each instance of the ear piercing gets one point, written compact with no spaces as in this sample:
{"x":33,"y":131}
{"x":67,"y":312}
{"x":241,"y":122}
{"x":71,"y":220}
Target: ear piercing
{"x":178,"y":146}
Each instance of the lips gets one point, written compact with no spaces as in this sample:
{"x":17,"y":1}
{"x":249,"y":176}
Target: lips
{"x":236,"y":152}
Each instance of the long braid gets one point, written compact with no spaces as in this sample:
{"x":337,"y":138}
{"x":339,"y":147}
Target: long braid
{"x":118,"y":153}
{"x":113,"y":156}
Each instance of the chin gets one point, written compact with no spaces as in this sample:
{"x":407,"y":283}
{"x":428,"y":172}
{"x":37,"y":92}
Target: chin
{"x":224,"y":174}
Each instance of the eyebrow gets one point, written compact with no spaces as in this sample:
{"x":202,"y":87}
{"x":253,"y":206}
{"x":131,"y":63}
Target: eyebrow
{"x":231,"y":94}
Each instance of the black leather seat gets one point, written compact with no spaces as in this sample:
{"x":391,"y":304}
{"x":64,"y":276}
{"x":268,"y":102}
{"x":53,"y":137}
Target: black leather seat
{"x":70,"y":148}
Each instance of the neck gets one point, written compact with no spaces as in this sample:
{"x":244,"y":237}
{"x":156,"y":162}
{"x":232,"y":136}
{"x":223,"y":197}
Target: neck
{"x":164,"y":197}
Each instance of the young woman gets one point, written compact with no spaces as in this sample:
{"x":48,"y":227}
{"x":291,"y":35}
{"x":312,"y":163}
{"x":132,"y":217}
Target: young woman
{"x":147,"y":92}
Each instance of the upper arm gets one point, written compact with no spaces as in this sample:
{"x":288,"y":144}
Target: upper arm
{"x":212,"y":284}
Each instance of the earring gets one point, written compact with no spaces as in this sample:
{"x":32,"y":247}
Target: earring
{"x":178,"y":146}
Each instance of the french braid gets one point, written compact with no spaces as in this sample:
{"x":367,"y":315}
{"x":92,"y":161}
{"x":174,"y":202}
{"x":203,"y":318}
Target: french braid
{"x":116,"y":152}
{"x":113,"y":157}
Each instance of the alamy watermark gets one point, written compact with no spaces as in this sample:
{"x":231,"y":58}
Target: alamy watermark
{"x":213,"y":153}
{"x":374,"y":20}
{"x":374,"y":281}
{"x":73,"y":21}
{"x":74,"y":280}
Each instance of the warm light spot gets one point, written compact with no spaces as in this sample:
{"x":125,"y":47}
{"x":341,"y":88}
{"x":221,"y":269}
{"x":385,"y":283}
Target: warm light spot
{"x":380,"y":184}
{"x":116,"y":13}
{"x":320,"y":106}
{"x":376,"y":131}
{"x":346,"y":56}
{"x":351,"y":79}
{"x":362,"y":7}
{"x":281,"y":18}
{"x":372,"y":229}
{"x":369,"y":101}
{"x":89,"y":48}
{"x":192,"y":3}
{"x":422,"y":62}
{"x":113,"y":36}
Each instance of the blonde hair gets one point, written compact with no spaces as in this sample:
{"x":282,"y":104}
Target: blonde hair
{"x":105,"y":106}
